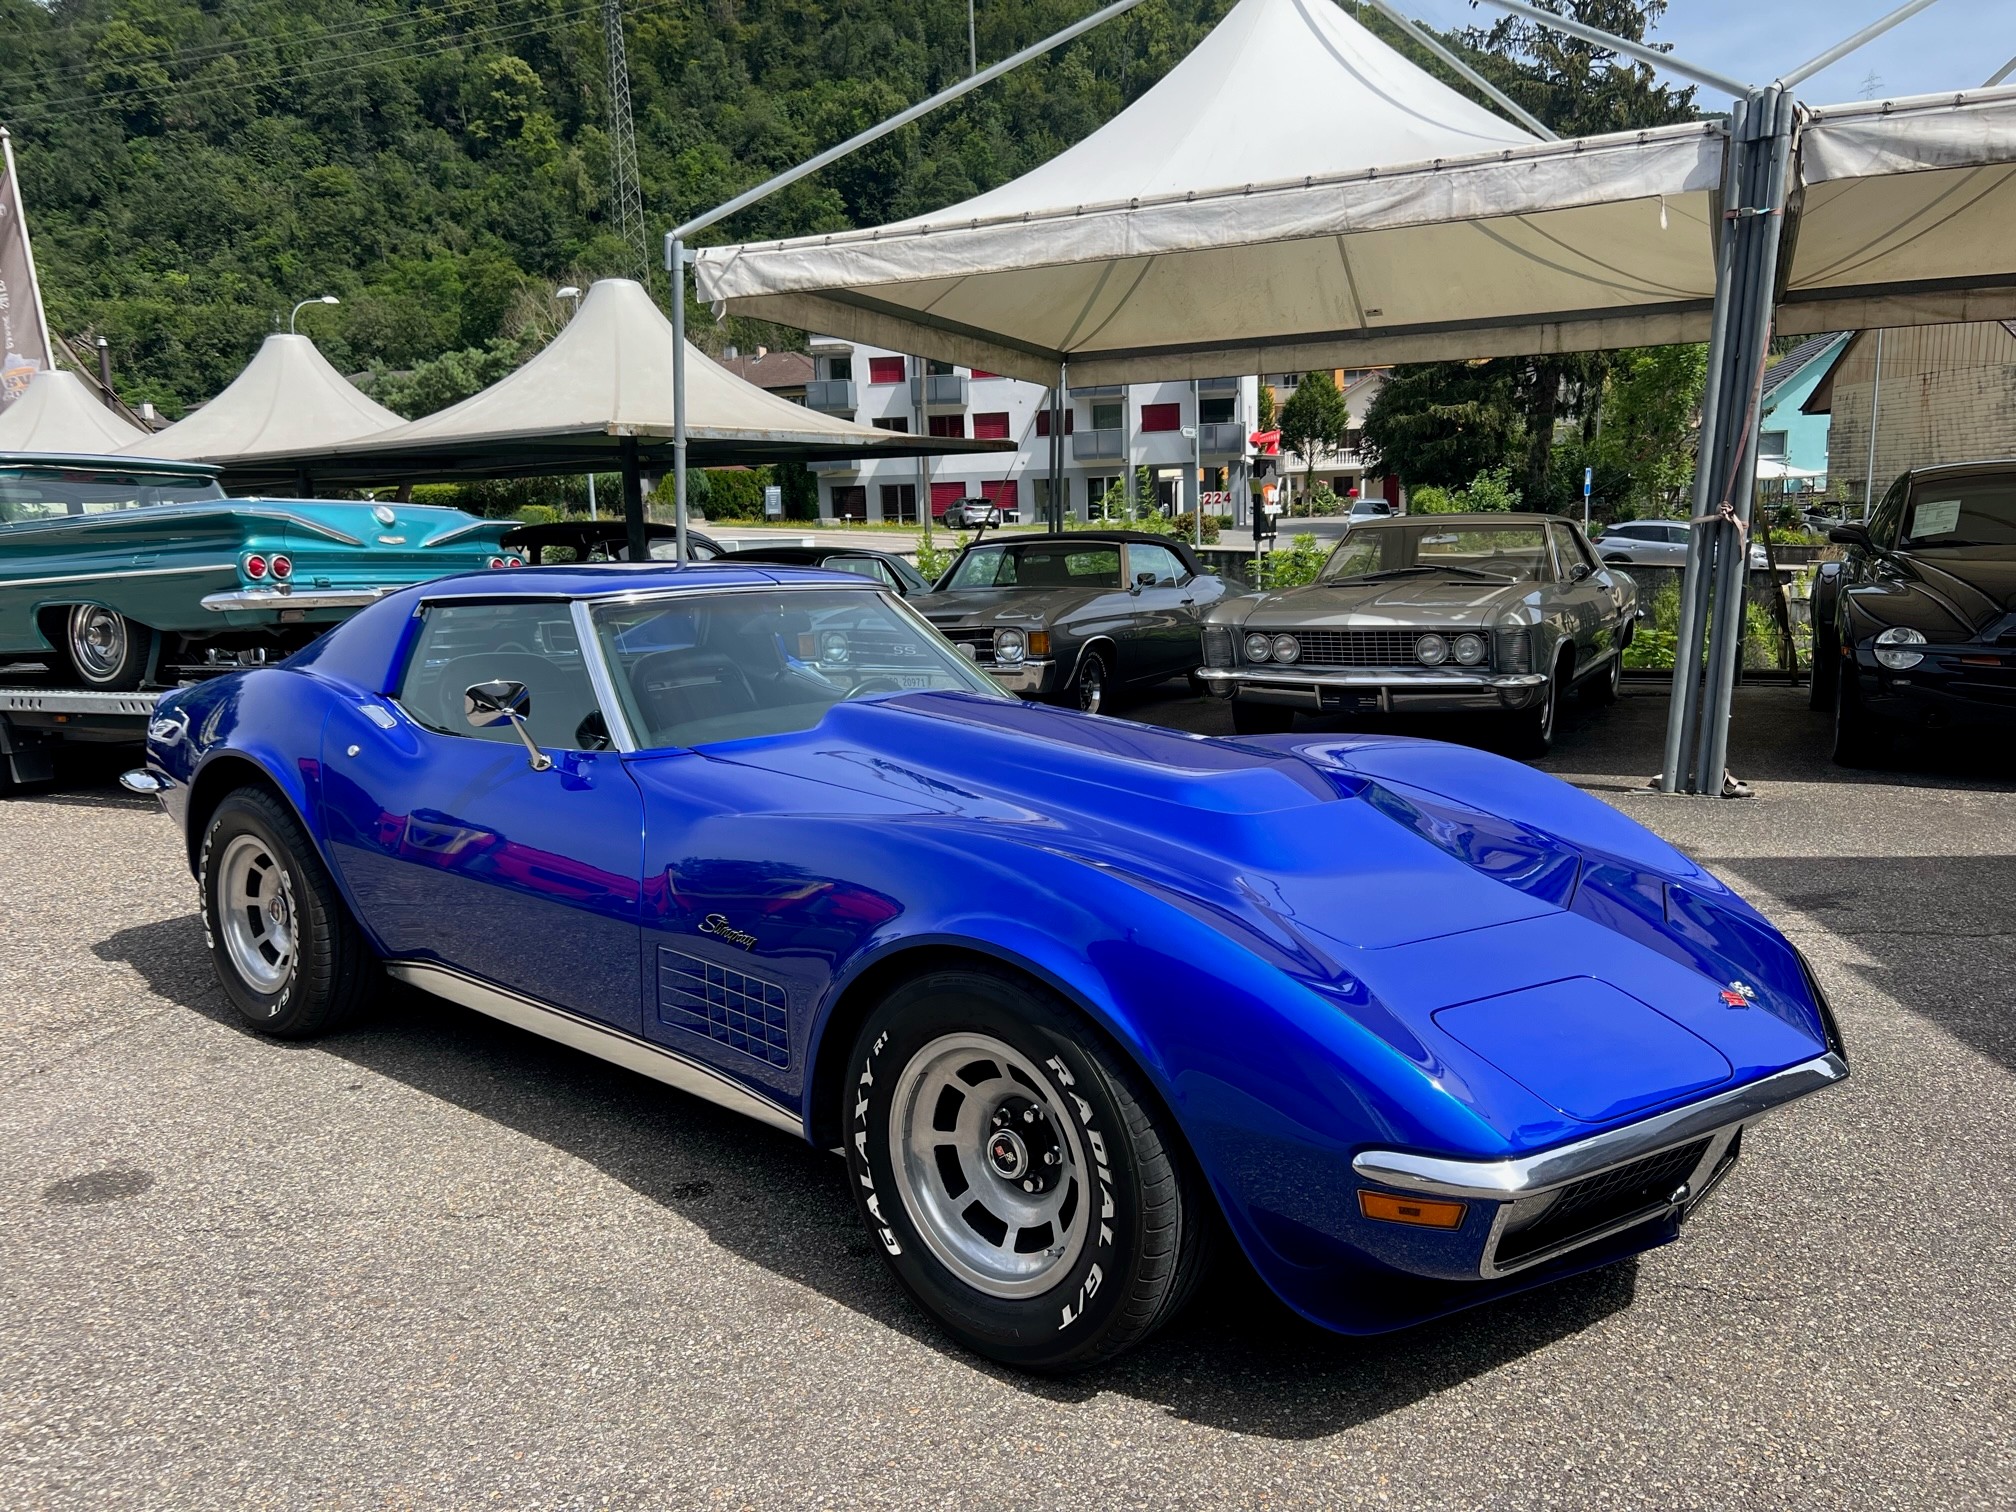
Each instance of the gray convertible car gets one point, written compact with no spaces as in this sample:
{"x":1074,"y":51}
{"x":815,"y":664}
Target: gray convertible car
{"x":1073,"y":617}
{"x":1430,"y":613}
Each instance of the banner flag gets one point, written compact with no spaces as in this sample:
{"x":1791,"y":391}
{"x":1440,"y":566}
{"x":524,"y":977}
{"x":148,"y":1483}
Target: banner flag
{"x":24,"y":332}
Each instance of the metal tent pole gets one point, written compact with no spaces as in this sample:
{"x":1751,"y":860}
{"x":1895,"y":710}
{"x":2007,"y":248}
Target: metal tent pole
{"x":633,"y":501}
{"x":1779,"y":114}
{"x":675,"y":264}
{"x":1685,"y":702}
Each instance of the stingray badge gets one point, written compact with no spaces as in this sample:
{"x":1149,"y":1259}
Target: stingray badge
{"x":1738,"y":995}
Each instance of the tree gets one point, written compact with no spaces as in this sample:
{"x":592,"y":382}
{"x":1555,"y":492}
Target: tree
{"x":1440,"y":424}
{"x":1315,"y":420}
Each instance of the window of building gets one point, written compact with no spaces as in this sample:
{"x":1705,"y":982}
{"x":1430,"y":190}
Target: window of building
{"x":1109,"y":414}
{"x":1097,"y":491}
{"x":947,"y":425}
{"x":899,"y":503}
{"x":1043,"y":421}
{"x":992,"y":426}
{"x":1217,"y":411}
{"x":899,"y":423}
{"x":840,"y":369}
{"x":1005,"y":495}
{"x":939,"y":369}
{"x":978,"y":374}
{"x":1040,"y":488}
{"x":885,"y":369}
{"x":850,"y":501}
{"x":1773,"y":444}
{"x":944,"y":496}
{"x":1161,"y":417}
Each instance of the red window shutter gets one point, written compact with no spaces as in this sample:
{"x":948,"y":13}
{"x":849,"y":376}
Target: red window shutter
{"x":1043,"y":422}
{"x":978,"y":374}
{"x":1002,"y":494}
{"x":948,"y":425}
{"x":991,"y":427}
{"x":944,"y":495}
{"x":885,"y":369}
{"x":1161,"y":417}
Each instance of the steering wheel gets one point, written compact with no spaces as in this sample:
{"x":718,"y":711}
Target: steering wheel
{"x":877,"y":685}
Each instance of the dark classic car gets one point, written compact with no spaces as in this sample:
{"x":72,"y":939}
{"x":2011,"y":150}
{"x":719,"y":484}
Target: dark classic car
{"x":1413,"y":1026}
{"x":121,"y":571}
{"x":1915,"y":629}
{"x":559,"y":542}
{"x":1430,"y":614}
{"x":1071,"y":618}
{"x":882,"y":567}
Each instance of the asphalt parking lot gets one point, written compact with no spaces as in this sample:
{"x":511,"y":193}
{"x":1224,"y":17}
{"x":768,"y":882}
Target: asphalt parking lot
{"x":437,"y":1262}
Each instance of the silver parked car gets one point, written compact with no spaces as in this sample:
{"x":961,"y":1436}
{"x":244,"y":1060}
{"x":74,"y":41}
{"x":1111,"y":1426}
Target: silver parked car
{"x":1073,"y":617}
{"x":1655,"y":543}
{"x":1429,"y":613}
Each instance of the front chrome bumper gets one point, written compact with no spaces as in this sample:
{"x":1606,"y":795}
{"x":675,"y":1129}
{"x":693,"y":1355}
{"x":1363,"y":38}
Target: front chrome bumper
{"x":1029,"y":679}
{"x":1524,"y":1186}
{"x":244,"y":599}
{"x":1425,"y":689}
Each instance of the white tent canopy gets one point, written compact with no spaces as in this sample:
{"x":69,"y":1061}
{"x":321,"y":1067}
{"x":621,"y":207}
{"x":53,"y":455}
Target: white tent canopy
{"x":1394,"y":221}
{"x":288,"y":398}
{"x":59,"y":414}
{"x":604,"y":381}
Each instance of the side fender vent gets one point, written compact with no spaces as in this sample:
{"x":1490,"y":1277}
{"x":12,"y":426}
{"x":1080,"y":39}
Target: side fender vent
{"x":730,"y":1007}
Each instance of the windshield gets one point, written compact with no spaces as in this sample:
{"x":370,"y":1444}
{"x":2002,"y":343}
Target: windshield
{"x":1508,"y":553}
{"x":32,"y":493}
{"x":1046,"y":564}
{"x":694,"y":670}
{"x":1956,"y":513}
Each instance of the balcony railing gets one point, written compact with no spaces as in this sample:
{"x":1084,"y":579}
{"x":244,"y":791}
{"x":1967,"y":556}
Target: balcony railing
{"x":839,"y":467}
{"x":1096,"y":445}
{"x":1100,"y":391}
{"x":832,"y":396}
{"x":1217,"y":385}
{"x":1222,"y":438}
{"x":939,"y":391}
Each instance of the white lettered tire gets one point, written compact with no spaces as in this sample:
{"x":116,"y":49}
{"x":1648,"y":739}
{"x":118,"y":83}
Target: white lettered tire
{"x":1017,"y":1177}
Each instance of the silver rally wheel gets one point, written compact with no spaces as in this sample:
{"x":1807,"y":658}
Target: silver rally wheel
{"x":989,"y":1165}
{"x":256,"y":914}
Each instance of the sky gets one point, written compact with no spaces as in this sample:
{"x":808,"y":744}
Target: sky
{"x":1954,"y":44}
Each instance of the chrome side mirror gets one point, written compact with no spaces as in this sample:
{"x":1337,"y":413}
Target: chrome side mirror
{"x":1579,"y":572}
{"x":489,"y":704}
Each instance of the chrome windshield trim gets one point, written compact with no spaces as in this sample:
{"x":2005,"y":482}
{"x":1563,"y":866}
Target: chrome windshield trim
{"x":585,"y":1034}
{"x":1503,"y":1180}
{"x":1370,"y":677}
{"x":601,"y":679}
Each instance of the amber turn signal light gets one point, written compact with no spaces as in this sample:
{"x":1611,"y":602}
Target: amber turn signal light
{"x":1039,"y":642}
{"x":1419,"y":1211}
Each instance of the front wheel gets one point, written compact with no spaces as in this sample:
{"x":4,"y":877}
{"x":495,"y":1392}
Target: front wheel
{"x":1017,"y":1178}
{"x":106,"y":651}
{"x":1533,"y":733}
{"x":1861,"y":739}
{"x":285,"y":949}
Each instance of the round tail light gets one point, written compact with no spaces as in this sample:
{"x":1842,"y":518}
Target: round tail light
{"x":513,"y":562}
{"x":255,"y":567}
{"x":282,"y":568}
{"x":496,"y":562}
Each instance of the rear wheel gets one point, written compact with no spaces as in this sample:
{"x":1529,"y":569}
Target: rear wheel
{"x":1017,"y":1177}
{"x":1604,"y":687}
{"x":1826,"y":670}
{"x":285,"y":949}
{"x":1250,"y":718}
{"x":105,"y":650}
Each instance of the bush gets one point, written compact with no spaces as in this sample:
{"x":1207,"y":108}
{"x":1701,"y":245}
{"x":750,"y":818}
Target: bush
{"x":1293,"y":567}
{"x":1429,"y":499}
{"x":540,"y":514}
{"x":735,"y":493}
{"x":933,"y":559}
{"x":1323,"y":500}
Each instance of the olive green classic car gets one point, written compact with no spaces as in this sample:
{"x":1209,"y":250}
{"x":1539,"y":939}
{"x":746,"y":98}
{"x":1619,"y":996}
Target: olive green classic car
{"x":118,"y":572}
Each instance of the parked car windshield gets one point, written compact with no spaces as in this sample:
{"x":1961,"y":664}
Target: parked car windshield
{"x":29,"y":493}
{"x":1039,"y":564}
{"x":693,"y":670}
{"x":1963,"y":513}
{"x":1512,"y":552}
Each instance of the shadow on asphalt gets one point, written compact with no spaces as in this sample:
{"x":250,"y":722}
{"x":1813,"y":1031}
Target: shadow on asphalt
{"x":1235,"y":1359}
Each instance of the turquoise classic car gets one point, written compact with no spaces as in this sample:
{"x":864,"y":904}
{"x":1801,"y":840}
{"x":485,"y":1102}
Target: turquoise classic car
{"x":119,"y":572}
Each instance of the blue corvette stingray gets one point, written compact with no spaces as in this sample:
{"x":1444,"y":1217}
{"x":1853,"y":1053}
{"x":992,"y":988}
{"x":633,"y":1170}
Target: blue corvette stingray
{"x":1413,"y":1025}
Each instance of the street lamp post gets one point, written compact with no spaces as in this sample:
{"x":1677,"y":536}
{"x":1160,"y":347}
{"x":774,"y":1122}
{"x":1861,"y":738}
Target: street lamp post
{"x":295,"y":314}
{"x":574,"y":294}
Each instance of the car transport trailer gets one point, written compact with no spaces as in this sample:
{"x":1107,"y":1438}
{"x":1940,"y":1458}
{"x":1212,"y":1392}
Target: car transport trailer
{"x":35,"y":721}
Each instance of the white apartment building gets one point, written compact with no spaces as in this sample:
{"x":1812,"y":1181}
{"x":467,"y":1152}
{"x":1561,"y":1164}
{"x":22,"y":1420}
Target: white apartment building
{"x":1108,"y":432}
{"x":1345,"y":469}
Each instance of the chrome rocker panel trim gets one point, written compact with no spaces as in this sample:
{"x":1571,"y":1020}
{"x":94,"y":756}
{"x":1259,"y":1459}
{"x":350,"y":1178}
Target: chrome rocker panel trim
{"x":1503,"y":1180}
{"x":599,"y":1040}
{"x":76,"y":701}
{"x":307,"y":598}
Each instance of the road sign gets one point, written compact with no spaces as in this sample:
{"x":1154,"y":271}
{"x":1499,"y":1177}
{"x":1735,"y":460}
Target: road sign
{"x":773,"y":502}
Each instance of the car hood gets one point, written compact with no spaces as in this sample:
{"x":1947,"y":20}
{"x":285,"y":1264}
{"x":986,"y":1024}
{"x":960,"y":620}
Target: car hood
{"x":968,"y":607}
{"x":1978,"y":590}
{"x":1400,"y":602}
{"x":1349,"y":864}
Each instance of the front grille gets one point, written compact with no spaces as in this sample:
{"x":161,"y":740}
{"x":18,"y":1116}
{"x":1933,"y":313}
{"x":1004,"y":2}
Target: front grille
{"x":982,"y":642}
{"x":740,"y":1011}
{"x":1590,"y":1206}
{"x":1367,"y":648}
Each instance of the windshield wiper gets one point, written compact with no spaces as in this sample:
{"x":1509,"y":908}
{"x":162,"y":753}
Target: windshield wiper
{"x":1388,"y":572}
